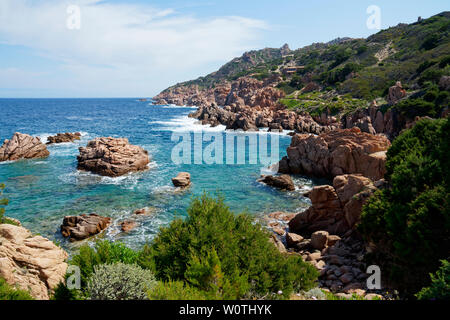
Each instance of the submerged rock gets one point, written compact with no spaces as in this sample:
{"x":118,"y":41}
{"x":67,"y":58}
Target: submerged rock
{"x":64,"y":137}
{"x":23,"y":146}
{"x":112,"y":157}
{"x":283,"y":182}
{"x":32,"y":263}
{"x":82,"y":227}
{"x":128,"y":225}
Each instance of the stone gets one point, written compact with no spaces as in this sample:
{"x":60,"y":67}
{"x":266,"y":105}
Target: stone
{"x":82,"y":227}
{"x":32,"y":263}
{"x":332,"y":240}
{"x":128,"y":225}
{"x":314,"y":256}
{"x":112,"y":157}
{"x":283,"y":182}
{"x":64,"y":137}
{"x":182,"y":180}
{"x":346,"y":278}
{"x":293,"y":239}
{"x":278,"y":244}
{"x":279,"y":231}
{"x":319,"y":240}
{"x":305,"y":244}
{"x":22,"y":146}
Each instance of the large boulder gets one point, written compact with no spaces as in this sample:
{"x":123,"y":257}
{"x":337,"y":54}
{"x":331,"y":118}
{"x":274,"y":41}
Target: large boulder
{"x":32,"y":263}
{"x":64,"y":137}
{"x":283,"y":182}
{"x":182,"y":180}
{"x":85,"y":226}
{"x":23,"y":146}
{"x":112,"y":157}
{"x":335,"y":209}
{"x":338,"y":152}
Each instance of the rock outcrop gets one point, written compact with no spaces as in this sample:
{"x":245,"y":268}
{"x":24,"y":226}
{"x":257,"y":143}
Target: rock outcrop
{"x":23,"y":146}
{"x":182,"y":180}
{"x":335,"y":209}
{"x":64,"y":137}
{"x":283,"y":182}
{"x":396,"y":93}
{"x":112,"y":157}
{"x":336,"y":153}
{"x":32,"y":263}
{"x":85,"y":226}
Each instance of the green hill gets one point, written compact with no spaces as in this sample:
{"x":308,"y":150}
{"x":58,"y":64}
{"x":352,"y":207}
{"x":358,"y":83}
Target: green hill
{"x":350,"y":72}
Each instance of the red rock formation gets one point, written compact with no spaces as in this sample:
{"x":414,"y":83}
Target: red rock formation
{"x":22,"y":146}
{"x":112,"y":157}
{"x":335,"y":153}
{"x":396,"y":93}
{"x":335,"y":209}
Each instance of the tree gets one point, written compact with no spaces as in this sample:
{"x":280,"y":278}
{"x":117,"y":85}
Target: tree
{"x":409,"y":223}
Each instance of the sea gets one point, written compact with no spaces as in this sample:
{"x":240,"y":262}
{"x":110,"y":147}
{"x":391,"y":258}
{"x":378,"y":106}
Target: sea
{"x":42,"y":191}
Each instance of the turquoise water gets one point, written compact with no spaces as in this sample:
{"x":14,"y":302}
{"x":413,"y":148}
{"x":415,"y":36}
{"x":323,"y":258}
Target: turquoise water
{"x":43,"y":191}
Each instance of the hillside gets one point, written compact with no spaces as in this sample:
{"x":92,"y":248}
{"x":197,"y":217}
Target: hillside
{"x":358,"y":68}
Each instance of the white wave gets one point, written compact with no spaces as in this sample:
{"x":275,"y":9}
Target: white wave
{"x":88,"y":178}
{"x":173,"y":106}
{"x":80,"y":118}
{"x":186,"y":124}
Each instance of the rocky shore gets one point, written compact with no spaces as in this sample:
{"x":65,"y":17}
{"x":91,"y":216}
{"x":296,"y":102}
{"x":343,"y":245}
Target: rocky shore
{"x":325,"y":234}
{"x":33,"y":263}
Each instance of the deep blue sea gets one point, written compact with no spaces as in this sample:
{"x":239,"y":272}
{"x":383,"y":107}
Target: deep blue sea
{"x":43,"y":191}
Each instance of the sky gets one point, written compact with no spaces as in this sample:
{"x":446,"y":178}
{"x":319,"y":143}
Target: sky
{"x":131,"y":48}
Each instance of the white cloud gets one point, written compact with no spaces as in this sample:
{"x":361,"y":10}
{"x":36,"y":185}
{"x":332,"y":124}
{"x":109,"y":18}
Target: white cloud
{"x":125,"y":49}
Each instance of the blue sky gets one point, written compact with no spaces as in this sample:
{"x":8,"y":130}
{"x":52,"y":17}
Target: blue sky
{"x":138,"y":48}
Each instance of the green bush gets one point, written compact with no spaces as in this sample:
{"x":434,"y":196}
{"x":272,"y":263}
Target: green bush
{"x":9,"y":293}
{"x":120,"y":282}
{"x":175,"y":290}
{"x":226,"y":255}
{"x":104,"y":252}
{"x":416,"y":107}
{"x":440,"y":284}
{"x":410,"y":222}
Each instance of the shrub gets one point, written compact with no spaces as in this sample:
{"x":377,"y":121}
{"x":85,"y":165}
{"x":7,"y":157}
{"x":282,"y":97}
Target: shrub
{"x":239,"y":257}
{"x":120,"y":282}
{"x":9,"y":293}
{"x":440,"y":284}
{"x":409,"y":222}
{"x":104,"y":252}
{"x":175,"y":290}
{"x":416,"y":107}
